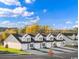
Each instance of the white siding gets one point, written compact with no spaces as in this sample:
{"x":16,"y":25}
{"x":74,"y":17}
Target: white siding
{"x":50,"y":37}
{"x":14,"y":45}
{"x":67,"y":40}
{"x":59,"y":36}
{"x":77,"y":36}
{"x":11,"y":38}
{"x":48,"y":44}
{"x":38,"y":37}
{"x":12,"y":42}
{"x":37,"y":45}
{"x":60,"y":44}
{"x":25,"y":46}
{"x":26,"y":38}
{"x":72,"y":36}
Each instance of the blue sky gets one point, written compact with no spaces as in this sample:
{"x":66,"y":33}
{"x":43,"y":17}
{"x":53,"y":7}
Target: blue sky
{"x":54,"y":13}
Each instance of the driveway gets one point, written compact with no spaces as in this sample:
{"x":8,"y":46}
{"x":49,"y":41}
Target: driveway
{"x":43,"y":54}
{"x":44,"y":51}
{"x":73,"y":55}
{"x":47,"y":50}
{"x":62,"y":50}
{"x":68,"y":48}
{"x":36,"y":52}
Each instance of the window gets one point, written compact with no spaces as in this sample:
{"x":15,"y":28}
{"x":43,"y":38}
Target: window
{"x":40,"y":38}
{"x":31,"y":45}
{"x":28,"y":39}
{"x":51,"y":38}
{"x":43,"y":44}
{"x":61,"y":38}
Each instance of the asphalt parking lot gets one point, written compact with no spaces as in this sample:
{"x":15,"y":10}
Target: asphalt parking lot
{"x":70,"y":53}
{"x":61,"y":50}
{"x":59,"y":56}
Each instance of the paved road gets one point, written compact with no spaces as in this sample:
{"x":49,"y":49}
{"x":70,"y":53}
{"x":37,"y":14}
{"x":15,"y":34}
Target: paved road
{"x":56,"y":50}
{"x":69,"y":55}
{"x":57,"y":56}
{"x":37,"y":54}
{"x":67,"y":48}
{"x":62,"y":50}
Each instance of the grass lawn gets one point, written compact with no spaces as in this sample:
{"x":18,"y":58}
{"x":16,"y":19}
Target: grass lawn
{"x":14,"y":51}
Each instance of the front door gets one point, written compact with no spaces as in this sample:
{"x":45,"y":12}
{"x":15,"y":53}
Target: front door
{"x":43,"y":44}
{"x":31,"y":46}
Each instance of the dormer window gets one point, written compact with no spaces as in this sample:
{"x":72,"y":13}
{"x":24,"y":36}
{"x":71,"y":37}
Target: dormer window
{"x":61,"y":38}
{"x":51,"y":38}
{"x":40,"y":38}
{"x":28,"y":39}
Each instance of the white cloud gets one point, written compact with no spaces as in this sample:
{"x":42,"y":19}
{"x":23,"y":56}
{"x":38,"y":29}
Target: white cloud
{"x":19,"y":24}
{"x":68,"y":22}
{"x":28,"y":13}
{"x":76,"y":22}
{"x":10,"y":24}
{"x":75,"y":26}
{"x":7,"y":24}
{"x":44,"y":10}
{"x":29,"y":1}
{"x":11,"y":2}
{"x":53,"y":24}
{"x":33,"y":21}
{"x":19,"y":11}
{"x":4,"y":12}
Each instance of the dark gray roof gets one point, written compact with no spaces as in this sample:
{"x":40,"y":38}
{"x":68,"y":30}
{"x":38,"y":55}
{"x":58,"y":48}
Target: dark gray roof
{"x":44,"y":39}
{"x":59,"y":40}
{"x":17,"y":37}
{"x":31,"y":35}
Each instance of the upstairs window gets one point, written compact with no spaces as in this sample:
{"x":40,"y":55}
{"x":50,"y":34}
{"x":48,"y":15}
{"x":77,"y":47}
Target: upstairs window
{"x":28,"y":39}
{"x":51,"y":38}
{"x":40,"y":38}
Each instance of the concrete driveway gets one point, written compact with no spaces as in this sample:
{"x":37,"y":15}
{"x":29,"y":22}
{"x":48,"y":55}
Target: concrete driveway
{"x":44,"y":51}
{"x":36,"y":52}
{"x":62,"y":50}
{"x":57,"y":56}
{"x":47,"y":50}
{"x":68,"y":48}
